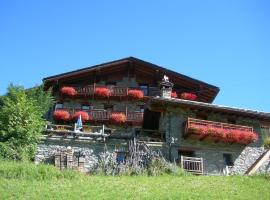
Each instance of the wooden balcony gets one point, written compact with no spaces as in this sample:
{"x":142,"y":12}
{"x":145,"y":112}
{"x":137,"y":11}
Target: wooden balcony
{"x":192,"y":164}
{"x":104,"y":115}
{"x":116,"y":91}
{"x":217,"y":131}
{"x":191,"y":122}
{"x":135,"y":117}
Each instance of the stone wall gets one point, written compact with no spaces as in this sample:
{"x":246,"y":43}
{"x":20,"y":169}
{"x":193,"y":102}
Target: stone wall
{"x":91,"y":150}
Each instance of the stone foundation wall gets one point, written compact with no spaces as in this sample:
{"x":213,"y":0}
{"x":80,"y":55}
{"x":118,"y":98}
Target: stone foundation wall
{"x":92,"y":151}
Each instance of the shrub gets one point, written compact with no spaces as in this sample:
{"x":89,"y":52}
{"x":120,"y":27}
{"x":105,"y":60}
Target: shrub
{"x":84,"y":115}
{"x":69,"y":91}
{"x":61,"y":115}
{"x":21,"y":125}
{"x":135,"y":94}
{"x":174,"y":94}
{"x":266,"y":143}
{"x":188,"y":96}
{"x":118,"y":118}
{"x":102,"y":92}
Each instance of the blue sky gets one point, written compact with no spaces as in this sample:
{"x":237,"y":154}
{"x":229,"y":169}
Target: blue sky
{"x":225,"y":43}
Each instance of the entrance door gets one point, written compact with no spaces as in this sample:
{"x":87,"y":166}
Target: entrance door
{"x":151,"y":120}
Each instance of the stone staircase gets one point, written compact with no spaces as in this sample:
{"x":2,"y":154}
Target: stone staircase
{"x":258,"y":163}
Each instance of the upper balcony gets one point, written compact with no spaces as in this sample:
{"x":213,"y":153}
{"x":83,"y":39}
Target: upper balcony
{"x":109,"y":91}
{"x":219,"y":132}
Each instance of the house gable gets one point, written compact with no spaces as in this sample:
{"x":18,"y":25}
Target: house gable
{"x":142,"y":71}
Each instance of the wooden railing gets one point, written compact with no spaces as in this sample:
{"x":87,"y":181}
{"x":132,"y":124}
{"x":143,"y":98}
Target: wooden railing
{"x":116,"y":91}
{"x":135,"y":116}
{"x":211,"y":124}
{"x":104,"y":115}
{"x":192,"y":164}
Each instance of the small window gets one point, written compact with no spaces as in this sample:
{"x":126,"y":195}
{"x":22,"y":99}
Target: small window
{"x":187,"y":153}
{"x":59,"y":106}
{"x":227,"y":158}
{"x":141,"y":107}
{"x":144,"y":88}
{"x":86,"y":107}
{"x":110,"y":83}
{"x":121,"y":157}
{"x":108,"y":107}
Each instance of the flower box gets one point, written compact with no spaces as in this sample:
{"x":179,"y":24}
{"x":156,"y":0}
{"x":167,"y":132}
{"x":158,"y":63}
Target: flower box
{"x":118,"y":118}
{"x":174,"y":94}
{"x":189,"y":96}
{"x":102,"y":92}
{"x":224,"y":135}
{"x":84,"y":115}
{"x":135,"y":94}
{"x":68,"y":91}
{"x":61,"y":115}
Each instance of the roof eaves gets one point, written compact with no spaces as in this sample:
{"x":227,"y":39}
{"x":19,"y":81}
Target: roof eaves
{"x":208,"y":105}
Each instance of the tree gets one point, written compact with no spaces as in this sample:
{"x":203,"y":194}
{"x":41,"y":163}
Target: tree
{"x":21,"y":122}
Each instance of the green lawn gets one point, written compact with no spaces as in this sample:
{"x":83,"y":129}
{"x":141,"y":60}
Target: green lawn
{"x":26,"y":181}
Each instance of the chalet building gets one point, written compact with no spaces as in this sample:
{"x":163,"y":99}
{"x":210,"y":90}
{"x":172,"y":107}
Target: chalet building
{"x":168,"y":111}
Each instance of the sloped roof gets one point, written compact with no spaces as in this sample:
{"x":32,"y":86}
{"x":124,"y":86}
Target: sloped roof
{"x":212,"y":107}
{"x":211,"y":94}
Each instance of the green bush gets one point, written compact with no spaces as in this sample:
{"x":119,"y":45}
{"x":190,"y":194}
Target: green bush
{"x":266,"y":143}
{"x":159,"y":166}
{"x":21,"y":123}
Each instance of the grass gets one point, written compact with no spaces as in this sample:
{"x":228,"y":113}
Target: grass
{"x":28,"y":181}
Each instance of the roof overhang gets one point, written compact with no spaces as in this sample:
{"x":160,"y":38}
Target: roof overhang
{"x":210,"y":108}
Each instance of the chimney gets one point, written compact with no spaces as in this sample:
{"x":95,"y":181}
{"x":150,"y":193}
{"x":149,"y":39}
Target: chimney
{"x":166,"y":88}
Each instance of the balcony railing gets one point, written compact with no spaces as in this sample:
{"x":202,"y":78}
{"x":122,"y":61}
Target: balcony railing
{"x":192,"y":164}
{"x":191,"y":122}
{"x":116,"y":91}
{"x":217,"y":131}
{"x":104,"y":115}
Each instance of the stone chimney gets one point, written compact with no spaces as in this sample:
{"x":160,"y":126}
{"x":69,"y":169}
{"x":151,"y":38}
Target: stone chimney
{"x":166,"y":88}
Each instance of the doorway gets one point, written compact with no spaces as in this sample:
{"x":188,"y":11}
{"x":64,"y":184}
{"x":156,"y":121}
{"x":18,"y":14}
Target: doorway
{"x":151,"y":120}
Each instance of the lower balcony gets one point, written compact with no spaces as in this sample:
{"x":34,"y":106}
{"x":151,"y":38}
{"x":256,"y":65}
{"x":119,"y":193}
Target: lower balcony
{"x":133,"y":118}
{"x":219,"y":132}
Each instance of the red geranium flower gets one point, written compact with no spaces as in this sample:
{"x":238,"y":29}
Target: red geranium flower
{"x":135,"y":94}
{"x":118,"y":118}
{"x":69,"y":91}
{"x":174,"y":94}
{"x":61,"y":115}
{"x":84,"y":115}
{"x":189,"y":96}
{"x":102,"y":92}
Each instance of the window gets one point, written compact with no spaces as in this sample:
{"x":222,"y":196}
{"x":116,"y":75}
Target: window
{"x":110,"y":83}
{"x":141,"y":108}
{"x":85,"y":107}
{"x":144,"y":88}
{"x":227,"y":159}
{"x":108,"y":107}
{"x":59,"y":106}
{"x":188,"y":153}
